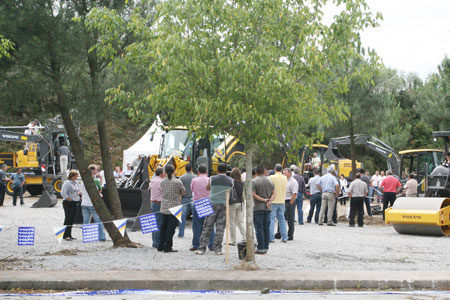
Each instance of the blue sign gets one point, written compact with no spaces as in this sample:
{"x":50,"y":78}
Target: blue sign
{"x":203,"y":207}
{"x":148,"y":223}
{"x":26,"y":236}
{"x":90,"y":233}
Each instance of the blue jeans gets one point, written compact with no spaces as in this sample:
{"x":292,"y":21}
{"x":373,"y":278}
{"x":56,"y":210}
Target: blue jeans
{"x":261,"y":220}
{"x":278,"y":212}
{"x":371,"y":192}
{"x":197,"y":228}
{"x":89,"y":211}
{"x":156,"y":207}
{"x":299,"y":204}
{"x":186,"y":201}
{"x":315,"y":202}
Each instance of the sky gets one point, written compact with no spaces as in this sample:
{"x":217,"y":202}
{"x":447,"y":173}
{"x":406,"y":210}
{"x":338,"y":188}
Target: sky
{"x":414,"y":35}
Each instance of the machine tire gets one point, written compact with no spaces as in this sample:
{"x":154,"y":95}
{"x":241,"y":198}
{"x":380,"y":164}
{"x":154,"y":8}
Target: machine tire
{"x":57,"y":186}
{"x":35,"y":190}
{"x":9,"y":189}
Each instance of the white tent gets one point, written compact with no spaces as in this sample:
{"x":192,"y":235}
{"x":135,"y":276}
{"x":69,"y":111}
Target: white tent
{"x":145,"y":146}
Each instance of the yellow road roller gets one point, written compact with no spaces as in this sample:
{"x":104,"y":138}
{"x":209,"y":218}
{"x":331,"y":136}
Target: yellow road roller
{"x":421,"y":216}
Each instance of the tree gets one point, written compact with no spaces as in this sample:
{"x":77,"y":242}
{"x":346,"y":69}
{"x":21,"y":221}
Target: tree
{"x":247,"y":68}
{"x":48,"y":42}
{"x":434,"y":98}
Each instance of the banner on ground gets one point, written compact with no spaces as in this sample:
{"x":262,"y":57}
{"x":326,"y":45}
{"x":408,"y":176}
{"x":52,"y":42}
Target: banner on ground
{"x":177,"y":211}
{"x":90,"y":233}
{"x":203,"y":207}
{"x":121,"y":225}
{"x":59,"y":233}
{"x":148,"y":223}
{"x":25,"y":236}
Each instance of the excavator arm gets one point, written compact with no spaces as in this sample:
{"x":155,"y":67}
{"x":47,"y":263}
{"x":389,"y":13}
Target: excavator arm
{"x":370,"y":142}
{"x":11,"y":136}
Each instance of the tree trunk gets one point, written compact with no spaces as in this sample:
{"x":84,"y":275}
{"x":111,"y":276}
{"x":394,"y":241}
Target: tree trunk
{"x":352,"y":145}
{"x":88,"y":181}
{"x":250,"y":238}
{"x":111,"y":187}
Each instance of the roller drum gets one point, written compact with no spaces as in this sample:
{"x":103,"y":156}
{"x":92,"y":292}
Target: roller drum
{"x":415,"y":205}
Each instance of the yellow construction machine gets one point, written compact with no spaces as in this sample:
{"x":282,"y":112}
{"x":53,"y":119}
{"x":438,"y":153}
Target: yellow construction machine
{"x":180,"y":147}
{"x":428,"y":215}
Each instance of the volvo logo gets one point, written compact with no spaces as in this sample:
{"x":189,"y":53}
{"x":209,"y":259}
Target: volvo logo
{"x":8,"y":136}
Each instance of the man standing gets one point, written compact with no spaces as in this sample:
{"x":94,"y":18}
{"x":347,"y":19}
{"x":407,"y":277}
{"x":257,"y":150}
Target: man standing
{"x":329,"y":187}
{"x":128,"y":171}
{"x":301,"y":190}
{"x":87,"y":208}
{"x":199,"y":191}
{"x":186,"y":179}
{"x":3,"y":182}
{"x":315,"y":161}
{"x":64,"y":153}
{"x":411,"y":186}
{"x":357,"y":192}
{"x":218,"y":186}
{"x":278,"y":206}
{"x":263,"y":195}
{"x":155,"y":198}
{"x":376,"y":180}
{"x":289,"y":199}
{"x":316,"y":197}
{"x":390,"y":186}
{"x":366,"y":180}
{"x":18,"y":180}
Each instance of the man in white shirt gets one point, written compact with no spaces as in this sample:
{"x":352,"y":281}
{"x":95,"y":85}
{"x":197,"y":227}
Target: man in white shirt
{"x":315,"y":161}
{"x":411,"y":186}
{"x":316,"y":197}
{"x":375,"y":192}
{"x":290,"y":197}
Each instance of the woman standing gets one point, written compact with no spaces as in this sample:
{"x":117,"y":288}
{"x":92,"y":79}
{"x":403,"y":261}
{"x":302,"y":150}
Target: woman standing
{"x":70,"y":192}
{"x":236,"y":210}
{"x":172,"y":190}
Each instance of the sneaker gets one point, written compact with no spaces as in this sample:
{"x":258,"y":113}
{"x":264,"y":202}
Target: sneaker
{"x":320,"y":224}
{"x":199,"y":252}
{"x":309,"y":222}
{"x":352,"y":225}
{"x":284,"y":241}
{"x":192,"y":249}
{"x":260,"y":252}
{"x":218,"y":252}
{"x":331,"y":224}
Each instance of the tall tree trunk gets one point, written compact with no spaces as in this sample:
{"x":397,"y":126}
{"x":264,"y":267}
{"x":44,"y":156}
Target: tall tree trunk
{"x":88,"y":181}
{"x":250,"y":238}
{"x":111,"y":187}
{"x":352,"y":145}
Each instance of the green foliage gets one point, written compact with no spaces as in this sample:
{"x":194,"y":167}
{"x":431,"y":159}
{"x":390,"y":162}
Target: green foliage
{"x":434,"y":98}
{"x":5,"y":47}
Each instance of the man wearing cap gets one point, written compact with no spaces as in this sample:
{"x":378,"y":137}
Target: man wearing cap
{"x":3,"y":182}
{"x":329,"y":187}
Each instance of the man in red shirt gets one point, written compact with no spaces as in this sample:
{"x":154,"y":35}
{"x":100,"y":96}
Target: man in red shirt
{"x":390,"y":186}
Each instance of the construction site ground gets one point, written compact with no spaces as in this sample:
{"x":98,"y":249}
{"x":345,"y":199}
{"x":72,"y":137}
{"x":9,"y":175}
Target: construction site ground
{"x":320,"y":257}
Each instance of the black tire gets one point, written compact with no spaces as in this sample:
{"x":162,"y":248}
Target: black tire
{"x":9,"y":189}
{"x":35,"y":190}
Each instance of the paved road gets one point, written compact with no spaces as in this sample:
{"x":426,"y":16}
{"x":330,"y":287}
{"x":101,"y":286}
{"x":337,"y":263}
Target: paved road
{"x":254,"y":296}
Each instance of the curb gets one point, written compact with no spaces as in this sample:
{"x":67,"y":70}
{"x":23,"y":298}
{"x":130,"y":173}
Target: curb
{"x":224,"y":280}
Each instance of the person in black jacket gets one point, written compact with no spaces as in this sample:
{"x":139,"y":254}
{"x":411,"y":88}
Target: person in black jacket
{"x":236,"y":206}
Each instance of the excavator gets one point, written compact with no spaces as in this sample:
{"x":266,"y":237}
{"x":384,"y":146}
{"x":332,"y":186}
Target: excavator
{"x":179,"y":147}
{"x":38,"y":159}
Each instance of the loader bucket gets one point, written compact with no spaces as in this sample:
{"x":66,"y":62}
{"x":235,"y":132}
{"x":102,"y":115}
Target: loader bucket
{"x":134,"y":202}
{"x":421,"y":216}
{"x":47,"y":199}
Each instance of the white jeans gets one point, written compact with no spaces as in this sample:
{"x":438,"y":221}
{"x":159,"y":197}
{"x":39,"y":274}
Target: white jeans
{"x":236,"y":218}
{"x":63,"y":161}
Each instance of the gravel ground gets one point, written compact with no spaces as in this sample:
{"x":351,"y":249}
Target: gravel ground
{"x":314,"y":247}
